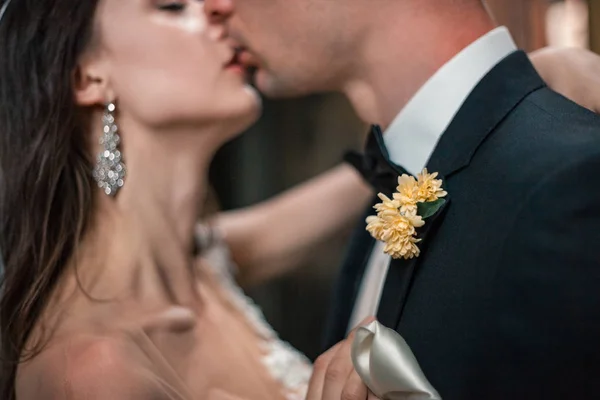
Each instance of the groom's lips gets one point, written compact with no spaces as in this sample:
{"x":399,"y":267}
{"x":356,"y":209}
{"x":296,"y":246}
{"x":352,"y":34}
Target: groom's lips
{"x":247,"y":59}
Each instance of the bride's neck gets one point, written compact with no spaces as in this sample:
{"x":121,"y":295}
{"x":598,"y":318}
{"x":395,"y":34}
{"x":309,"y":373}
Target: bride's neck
{"x":149,"y":225}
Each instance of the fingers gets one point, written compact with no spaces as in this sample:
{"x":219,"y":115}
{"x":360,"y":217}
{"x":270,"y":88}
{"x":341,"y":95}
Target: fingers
{"x":334,"y":377}
{"x":372,"y":396}
{"x":341,"y":368}
{"x":354,"y":389}
{"x":317,"y":380}
{"x":338,"y":371}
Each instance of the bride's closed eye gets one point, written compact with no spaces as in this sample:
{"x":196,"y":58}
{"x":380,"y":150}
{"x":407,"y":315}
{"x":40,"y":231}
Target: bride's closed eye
{"x":173,"y":6}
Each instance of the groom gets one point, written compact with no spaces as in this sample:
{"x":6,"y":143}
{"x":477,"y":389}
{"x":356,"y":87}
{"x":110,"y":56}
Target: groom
{"x":504,"y":300}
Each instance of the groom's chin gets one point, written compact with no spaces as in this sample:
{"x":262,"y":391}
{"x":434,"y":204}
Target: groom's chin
{"x":274,"y":87}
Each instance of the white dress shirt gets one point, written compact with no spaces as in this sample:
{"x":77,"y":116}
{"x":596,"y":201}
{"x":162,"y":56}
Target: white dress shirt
{"x":413,"y":135}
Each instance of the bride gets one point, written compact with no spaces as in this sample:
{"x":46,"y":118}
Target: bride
{"x":111,"y":112}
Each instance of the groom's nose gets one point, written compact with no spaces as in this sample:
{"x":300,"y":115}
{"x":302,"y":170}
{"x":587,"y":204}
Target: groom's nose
{"x":218,"y":10}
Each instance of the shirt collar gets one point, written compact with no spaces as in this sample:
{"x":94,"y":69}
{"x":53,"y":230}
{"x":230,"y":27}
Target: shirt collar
{"x":412,"y":136}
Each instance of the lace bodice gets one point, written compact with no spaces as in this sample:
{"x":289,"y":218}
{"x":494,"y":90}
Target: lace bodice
{"x":289,"y":367}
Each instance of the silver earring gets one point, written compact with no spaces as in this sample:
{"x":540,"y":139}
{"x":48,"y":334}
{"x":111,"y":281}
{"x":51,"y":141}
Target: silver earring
{"x":109,"y":171}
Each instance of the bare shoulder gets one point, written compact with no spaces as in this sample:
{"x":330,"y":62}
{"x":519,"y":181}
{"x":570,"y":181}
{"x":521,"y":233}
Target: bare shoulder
{"x":92,"y":368}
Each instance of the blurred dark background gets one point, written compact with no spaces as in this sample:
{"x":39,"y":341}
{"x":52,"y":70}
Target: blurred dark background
{"x":297,"y":139}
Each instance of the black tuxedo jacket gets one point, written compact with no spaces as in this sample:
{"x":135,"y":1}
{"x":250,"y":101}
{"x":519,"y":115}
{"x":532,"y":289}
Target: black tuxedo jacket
{"x":504,"y":301}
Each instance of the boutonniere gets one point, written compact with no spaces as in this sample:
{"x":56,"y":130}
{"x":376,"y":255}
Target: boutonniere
{"x":398,"y":218}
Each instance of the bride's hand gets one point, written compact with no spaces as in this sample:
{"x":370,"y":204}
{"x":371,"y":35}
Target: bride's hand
{"x":572,"y":73}
{"x":334,"y":377}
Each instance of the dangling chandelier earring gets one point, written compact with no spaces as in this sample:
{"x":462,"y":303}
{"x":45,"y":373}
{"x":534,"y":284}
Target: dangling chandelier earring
{"x":109,"y":171}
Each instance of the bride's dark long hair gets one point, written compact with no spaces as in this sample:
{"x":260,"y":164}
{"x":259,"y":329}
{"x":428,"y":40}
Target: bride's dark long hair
{"x":45,"y":179}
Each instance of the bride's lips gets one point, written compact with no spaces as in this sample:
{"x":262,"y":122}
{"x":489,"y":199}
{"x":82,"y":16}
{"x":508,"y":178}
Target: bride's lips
{"x":234,"y":63}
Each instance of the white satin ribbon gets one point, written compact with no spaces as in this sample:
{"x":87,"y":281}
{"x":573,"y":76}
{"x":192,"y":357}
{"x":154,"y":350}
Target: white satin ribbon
{"x":387,"y":365}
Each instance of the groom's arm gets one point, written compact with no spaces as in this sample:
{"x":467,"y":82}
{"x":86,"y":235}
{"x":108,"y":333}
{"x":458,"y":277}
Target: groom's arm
{"x":545,"y":325}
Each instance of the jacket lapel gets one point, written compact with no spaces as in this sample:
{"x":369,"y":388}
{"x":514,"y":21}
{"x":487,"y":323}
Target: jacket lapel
{"x":498,"y":93}
{"x":401,"y":273}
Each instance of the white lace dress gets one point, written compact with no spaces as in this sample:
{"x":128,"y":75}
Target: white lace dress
{"x":287,"y":365}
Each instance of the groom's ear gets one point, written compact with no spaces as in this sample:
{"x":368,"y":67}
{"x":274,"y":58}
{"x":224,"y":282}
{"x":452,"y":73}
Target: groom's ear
{"x":90,"y":82}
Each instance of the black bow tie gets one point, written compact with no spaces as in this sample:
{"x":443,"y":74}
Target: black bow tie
{"x":375,"y":165}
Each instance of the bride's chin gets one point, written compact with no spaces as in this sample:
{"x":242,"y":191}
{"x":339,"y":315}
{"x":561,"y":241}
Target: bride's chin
{"x":250,"y":112}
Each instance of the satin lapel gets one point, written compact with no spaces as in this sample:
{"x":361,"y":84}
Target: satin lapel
{"x":348,"y":284}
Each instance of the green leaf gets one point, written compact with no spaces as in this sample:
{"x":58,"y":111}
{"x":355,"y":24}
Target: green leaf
{"x":428,"y":209}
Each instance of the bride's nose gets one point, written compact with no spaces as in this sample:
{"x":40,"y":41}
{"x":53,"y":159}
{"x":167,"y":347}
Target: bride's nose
{"x":218,"y":10}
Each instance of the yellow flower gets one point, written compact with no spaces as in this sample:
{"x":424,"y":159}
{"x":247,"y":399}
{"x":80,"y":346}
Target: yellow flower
{"x":397,"y":219}
{"x":387,"y":205}
{"x":407,"y":191}
{"x":396,"y":230}
{"x":404,"y":247}
{"x":430,"y":189}
{"x":376,"y":227}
